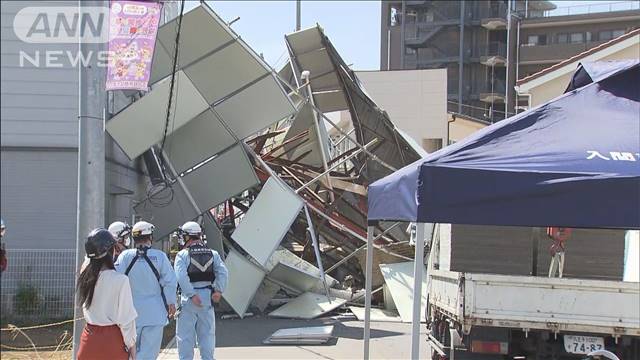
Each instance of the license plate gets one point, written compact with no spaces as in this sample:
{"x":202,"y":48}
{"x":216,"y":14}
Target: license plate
{"x":574,"y":344}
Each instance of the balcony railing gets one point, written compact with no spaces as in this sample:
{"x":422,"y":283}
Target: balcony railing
{"x":492,"y":87}
{"x":587,"y":9}
{"x":494,"y":48}
{"x":534,"y":53}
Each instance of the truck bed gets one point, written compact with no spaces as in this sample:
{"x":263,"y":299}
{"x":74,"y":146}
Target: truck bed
{"x":528,"y":303}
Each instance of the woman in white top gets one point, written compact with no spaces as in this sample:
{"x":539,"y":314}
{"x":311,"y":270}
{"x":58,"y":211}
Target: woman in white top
{"x":107,"y":304}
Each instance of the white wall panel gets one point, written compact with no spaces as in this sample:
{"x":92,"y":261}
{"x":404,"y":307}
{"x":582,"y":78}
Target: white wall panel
{"x":201,"y":32}
{"x":255,"y":108}
{"x":197,"y":141}
{"x":261,"y":230}
{"x":221,"y":178}
{"x":244,"y":280}
{"x":399,"y":279}
{"x":142,"y":124}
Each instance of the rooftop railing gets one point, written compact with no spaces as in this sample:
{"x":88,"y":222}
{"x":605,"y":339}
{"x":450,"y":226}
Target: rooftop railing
{"x":587,"y":9}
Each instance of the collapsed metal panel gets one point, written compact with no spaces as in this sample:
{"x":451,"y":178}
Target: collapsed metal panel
{"x":195,"y":142}
{"x":244,"y":280}
{"x":166,"y":216}
{"x":226,"y":175}
{"x":202,"y":31}
{"x":303,"y":121}
{"x":213,"y":233}
{"x":297,"y":279}
{"x":308,"y":306}
{"x":399,"y":279}
{"x":308,"y":53}
{"x":215,"y":68}
{"x":301,"y":336}
{"x":269,"y":218}
{"x":369,"y":122}
{"x":224,"y":72}
{"x":377,"y":315}
{"x":335,"y":87}
{"x":330,"y":101}
{"x":141,"y":125}
{"x":255,"y":107}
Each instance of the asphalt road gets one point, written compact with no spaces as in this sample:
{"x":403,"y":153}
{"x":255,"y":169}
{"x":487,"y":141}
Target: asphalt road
{"x":242,"y":339}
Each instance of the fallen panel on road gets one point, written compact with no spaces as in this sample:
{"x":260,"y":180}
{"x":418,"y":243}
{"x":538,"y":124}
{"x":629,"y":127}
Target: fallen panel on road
{"x":376,"y":314}
{"x":308,"y":306}
{"x":244,"y":279}
{"x":399,"y":279}
{"x":313,"y":335}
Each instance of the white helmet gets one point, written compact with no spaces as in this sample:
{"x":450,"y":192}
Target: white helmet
{"x":191,"y":228}
{"x":142,"y":228}
{"x":121,"y":231}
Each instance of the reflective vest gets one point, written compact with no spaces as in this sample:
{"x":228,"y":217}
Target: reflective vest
{"x":200,"y":264}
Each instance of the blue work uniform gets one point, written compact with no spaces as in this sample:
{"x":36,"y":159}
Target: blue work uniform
{"x":147,"y":299}
{"x":197,"y":321}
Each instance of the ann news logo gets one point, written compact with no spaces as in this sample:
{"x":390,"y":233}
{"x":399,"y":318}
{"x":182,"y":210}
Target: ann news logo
{"x":61,"y":25}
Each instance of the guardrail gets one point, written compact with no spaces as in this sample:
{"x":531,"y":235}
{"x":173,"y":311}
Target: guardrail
{"x":38,"y":284}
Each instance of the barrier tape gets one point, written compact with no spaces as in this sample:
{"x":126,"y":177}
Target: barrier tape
{"x":43,"y":325}
{"x":51,"y":347}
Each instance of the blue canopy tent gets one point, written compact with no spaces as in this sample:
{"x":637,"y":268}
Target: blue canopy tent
{"x":573,"y":162}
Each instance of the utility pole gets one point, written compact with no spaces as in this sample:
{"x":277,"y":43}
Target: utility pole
{"x":461,"y":55}
{"x":298,"y":15}
{"x":92,"y":102}
{"x":403,"y":21}
{"x":508,"y":65}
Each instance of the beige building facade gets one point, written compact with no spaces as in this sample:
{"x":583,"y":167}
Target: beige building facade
{"x":461,"y":126}
{"x":416,"y":101}
{"x":551,"y":82}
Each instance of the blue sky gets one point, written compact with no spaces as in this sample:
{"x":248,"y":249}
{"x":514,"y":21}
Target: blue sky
{"x":352,"y":26}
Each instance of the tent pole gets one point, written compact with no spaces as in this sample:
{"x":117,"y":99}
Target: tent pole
{"x":418,"y":270}
{"x":367,"y":296}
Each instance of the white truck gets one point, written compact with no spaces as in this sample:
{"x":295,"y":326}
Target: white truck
{"x":485,"y":316}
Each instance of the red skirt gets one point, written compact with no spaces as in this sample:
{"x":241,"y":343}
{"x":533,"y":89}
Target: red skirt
{"x":102,"y":343}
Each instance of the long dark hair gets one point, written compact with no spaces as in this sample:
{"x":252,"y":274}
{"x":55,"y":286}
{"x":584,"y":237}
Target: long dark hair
{"x":89,"y":277}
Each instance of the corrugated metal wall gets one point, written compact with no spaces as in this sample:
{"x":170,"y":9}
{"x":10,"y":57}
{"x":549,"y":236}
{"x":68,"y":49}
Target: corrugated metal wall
{"x":39,"y":191}
{"x":509,"y":250}
{"x":39,"y":137}
{"x":39,"y":140}
{"x":39,"y":103}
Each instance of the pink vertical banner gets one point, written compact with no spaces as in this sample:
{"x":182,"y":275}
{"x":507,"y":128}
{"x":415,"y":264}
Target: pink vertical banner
{"x":133,"y":26}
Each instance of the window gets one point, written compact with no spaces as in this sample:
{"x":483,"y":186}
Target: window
{"x":577,"y":38}
{"x":617,"y":33}
{"x":537,"y":40}
{"x":605,"y":35}
{"x":609,"y":34}
{"x":409,"y":51}
{"x":563,"y":38}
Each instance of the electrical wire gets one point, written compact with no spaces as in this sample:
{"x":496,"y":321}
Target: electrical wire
{"x":156,"y":193}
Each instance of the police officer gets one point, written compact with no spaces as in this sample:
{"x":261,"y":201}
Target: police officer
{"x":153,"y":285}
{"x":202,"y":277}
{"x":121,"y":231}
